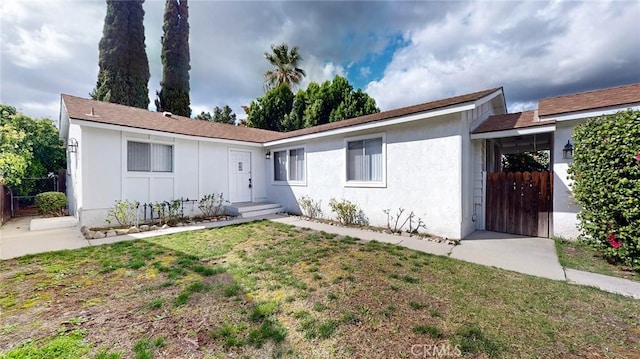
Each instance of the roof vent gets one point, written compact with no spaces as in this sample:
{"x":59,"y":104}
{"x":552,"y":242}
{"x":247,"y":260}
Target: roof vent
{"x":167,"y":114}
{"x":92,"y":113}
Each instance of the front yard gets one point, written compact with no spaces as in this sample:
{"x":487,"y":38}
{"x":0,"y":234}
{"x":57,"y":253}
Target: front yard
{"x":269,"y":290}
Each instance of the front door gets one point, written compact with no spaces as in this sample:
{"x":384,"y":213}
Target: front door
{"x":240,"y":176}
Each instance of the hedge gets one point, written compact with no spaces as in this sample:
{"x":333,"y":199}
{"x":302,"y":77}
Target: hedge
{"x":51,"y":203}
{"x":606,"y":175}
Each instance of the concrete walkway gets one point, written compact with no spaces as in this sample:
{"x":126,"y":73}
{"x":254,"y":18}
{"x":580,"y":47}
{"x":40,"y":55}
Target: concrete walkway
{"x":533,"y":256}
{"x":529,"y":255}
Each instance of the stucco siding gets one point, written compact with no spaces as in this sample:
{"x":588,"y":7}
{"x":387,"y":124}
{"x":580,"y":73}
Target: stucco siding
{"x":422,"y":175}
{"x":213,"y":166}
{"x":565,"y":210}
{"x":186,"y":168}
{"x":198,"y":168}
{"x":100,"y":156}
{"x":74,"y":172}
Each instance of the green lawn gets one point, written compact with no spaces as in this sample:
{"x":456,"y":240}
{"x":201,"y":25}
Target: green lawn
{"x":269,"y":290}
{"x":577,"y":255}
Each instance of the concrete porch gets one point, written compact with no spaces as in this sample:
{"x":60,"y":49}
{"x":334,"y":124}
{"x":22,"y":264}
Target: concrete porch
{"x":253,"y":209}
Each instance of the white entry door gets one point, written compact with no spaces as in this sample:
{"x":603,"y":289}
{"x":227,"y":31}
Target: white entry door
{"x":240,"y":176}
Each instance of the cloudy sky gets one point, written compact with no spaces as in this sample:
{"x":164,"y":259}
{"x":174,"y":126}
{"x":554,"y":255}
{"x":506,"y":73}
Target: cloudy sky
{"x":401,"y":53}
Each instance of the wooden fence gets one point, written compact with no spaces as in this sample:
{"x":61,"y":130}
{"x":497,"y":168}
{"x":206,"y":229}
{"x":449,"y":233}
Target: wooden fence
{"x":519,"y":202}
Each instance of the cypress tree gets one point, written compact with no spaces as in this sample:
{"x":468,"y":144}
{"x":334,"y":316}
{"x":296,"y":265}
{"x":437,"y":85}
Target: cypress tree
{"x":124,"y":68}
{"x":174,"y":87}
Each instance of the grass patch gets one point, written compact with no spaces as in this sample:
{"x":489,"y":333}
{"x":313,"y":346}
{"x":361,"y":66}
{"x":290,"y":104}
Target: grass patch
{"x":70,"y":345}
{"x":472,"y":340}
{"x":265,"y":289}
{"x":145,"y":347}
{"x":263,"y":310}
{"x":581,"y":256}
{"x":430,"y":330}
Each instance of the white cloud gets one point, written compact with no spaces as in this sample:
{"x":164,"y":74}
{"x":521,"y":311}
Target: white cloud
{"x":519,"y":45}
{"x":534,"y":49}
{"x":320,"y":72}
{"x":36,"y":33}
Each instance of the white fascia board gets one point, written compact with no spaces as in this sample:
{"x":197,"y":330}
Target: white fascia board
{"x":161,"y":133}
{"x":63,"y":123}
{"x":376,"y":124}
{"x":514,"y":132}
{"x":591,"y":113}
{"x":487,"y":98}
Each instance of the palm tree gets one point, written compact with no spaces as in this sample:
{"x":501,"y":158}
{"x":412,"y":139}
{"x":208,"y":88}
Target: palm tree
{"x":286,"y":71}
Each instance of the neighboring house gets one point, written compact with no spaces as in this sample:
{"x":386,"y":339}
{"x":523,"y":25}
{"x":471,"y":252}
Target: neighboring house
{"x":435,"y":159}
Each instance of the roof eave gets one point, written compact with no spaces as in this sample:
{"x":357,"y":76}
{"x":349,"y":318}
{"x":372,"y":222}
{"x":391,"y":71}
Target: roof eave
{"x":377,"y":124}
{"x":588,"y":113}
{"x":521,"y":131}
{"x":113,"y":127}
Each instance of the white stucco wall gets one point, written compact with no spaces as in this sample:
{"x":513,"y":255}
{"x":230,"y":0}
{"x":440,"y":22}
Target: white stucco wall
{"x":423,"y":174}
{"x":100,"y":158}
{"x":565,"y":221}
{"x":74,"y":172}
{"x":200,"y":167}
{"x":472,"y":179}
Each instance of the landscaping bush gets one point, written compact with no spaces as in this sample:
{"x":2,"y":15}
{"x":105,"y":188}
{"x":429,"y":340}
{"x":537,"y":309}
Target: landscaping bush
{"x":51,"y":204}
{"x":212,"y":205}
{"x":347,"y":212}
{"x":310,"y":207}
{"x":606,"y":175}
{"x":124,"y":212}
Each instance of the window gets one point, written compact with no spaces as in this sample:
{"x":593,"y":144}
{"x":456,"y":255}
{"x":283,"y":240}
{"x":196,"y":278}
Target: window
{"x":296,"y":164}
{"x":364,"y":160}
{"x":288,"y":165}
{"x":149,"y":157}
{"x":280,"y":166}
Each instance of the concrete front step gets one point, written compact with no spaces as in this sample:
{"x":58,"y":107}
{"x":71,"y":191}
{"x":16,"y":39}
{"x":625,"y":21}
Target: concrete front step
{"x":41,"y":224}
{"x":248,"y":210}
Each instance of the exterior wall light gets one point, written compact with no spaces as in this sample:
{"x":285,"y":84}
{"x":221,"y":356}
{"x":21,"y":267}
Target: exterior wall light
{"x":72,"y":145}
{"x":268,"y":155}
{"x":567,"y":151}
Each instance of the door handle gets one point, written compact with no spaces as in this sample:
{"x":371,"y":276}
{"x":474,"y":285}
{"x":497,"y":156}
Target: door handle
{"x":250,"y":185}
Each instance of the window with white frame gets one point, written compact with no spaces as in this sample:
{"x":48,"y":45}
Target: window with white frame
{"x":364,"y":160}
{"x":149,"y":157}
{"x":289,"y":165}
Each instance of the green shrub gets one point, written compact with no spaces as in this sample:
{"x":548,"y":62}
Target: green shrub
{"x":347,"y":212}
{"x":124,"y":212}
{"x":606,"y":175}
{"x":310,"y":207}
{"x":51,"y":203}
{"x":212,"y":205}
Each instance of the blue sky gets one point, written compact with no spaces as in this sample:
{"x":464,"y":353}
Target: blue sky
{"x":402,"y":53}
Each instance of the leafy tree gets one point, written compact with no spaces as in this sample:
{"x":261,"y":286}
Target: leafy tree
{"x":526,"y":161}
{"x":15,"y":154}
{"x":124,"y":68}
{"x":29,"y":148}
{"x":606,"y":175}
{"x":174,"y":93}
{"x":319,"y":104}
{"x":222,"y":115}
{"x":271,"y":111}
{"x":204,"y":116}
{"x":286,"y":69}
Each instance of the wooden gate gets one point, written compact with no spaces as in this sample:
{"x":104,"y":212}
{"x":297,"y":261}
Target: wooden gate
{"x":519,"y":202}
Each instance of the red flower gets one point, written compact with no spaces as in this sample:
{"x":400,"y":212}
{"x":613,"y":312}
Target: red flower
{"x":614,"y":242}
{"x":638,"y":157}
